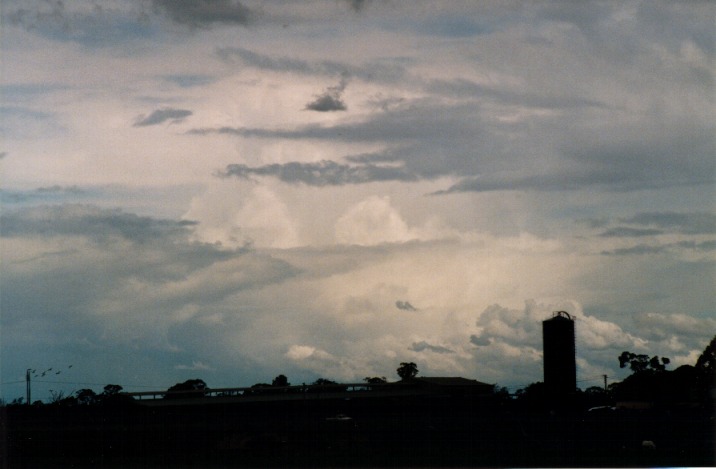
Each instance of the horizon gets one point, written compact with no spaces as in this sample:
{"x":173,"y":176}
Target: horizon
{"x":237,"y":189}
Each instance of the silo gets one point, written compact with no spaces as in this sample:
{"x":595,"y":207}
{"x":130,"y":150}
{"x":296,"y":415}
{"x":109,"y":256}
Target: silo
{"x":560,"y":367}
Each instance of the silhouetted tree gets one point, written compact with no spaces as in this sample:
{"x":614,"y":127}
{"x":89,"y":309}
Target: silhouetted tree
{"x":375,"y":380}
{"x":534,"y":392}
{"x":641,"y":363}
{"x":111,"y":390}
{"x":189,"y":388}
{"x":407,"y":370}
{"x":86,"y":397}
{"x":280,"y":380}
{"x":707,"y":360}
{"x":324,"y":382}
{"x":706,"y":372}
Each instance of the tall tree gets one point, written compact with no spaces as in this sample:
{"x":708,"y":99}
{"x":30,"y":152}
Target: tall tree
{"x":407,"y":370}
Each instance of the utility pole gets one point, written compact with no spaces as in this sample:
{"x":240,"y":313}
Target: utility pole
{"x":27,"y":387}
{"x":605,"y":383}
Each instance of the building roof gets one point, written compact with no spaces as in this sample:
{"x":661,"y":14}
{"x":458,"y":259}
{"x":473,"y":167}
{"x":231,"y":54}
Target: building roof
{"x":450,"y":381}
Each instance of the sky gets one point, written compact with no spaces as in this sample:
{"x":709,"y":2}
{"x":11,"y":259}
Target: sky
{"x":232,"y":190}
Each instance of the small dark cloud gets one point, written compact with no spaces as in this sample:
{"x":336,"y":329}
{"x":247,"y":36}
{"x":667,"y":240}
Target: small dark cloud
{"x":190,"y":81}
{"x":479,"y":341}
{"x":623,"y":231}
{"x":405,"y":306}
{"x":3,"y":154}
{"x":685,"y":223}
{"x":358,"y":5}
{"x":205,"y":13}
{"x":702,"y":246}
{"x":377,"y":70}
{"x":329,"y":100}
{"x":323,"y":173}
{"x":57,"y":189}
{"x":162,"y":115}
{"x":636,"y":250}
{"x":423,"y":346}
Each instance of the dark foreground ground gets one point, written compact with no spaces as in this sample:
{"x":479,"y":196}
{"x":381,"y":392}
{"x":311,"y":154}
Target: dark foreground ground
{"x":385,"y":432}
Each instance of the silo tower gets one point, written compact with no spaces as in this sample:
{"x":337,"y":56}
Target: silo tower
{"x":560,"y":367}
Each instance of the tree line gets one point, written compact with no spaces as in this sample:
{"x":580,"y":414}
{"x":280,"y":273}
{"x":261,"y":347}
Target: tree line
{"x":650,"y":380}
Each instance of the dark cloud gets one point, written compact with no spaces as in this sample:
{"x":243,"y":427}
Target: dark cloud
{"x":376,"y":70}
{"x":190,"y":81}
{"x":640,"y":249}
{"x":329,"y":100}
{"x":3,"y":154}
{"x":90,"y":222}
{"x":467,"y":89}
{"x":624,"y":231}
{"x":479,"y":341}
{"x":405,"y":306}
{"x":162,"y":115}
{"x":432,"y":139}
{"x":636,"y":250}
{"x":57,"y":189}
{"x":323,"y":173}
{"x":423,"y":346}
{"x":358,"y":5}
{"x":91,"y":24}
{"x":685,"y":223}
{"x":205,"y":13}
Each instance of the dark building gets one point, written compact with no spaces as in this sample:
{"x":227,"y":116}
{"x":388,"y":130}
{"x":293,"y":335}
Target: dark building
{"x":560,"y":367}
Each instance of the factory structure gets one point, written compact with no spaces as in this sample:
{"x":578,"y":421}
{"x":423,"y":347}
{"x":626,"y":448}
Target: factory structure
{"x":559,"y":355}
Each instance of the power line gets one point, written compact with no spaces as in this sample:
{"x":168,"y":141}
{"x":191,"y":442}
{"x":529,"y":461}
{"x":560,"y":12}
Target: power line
{"x":94,"y":384}
{"x":12,"y":382}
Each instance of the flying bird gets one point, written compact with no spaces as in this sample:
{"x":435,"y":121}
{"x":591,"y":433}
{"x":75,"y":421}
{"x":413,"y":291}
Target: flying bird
{"x":69,"y":366}
{"x":58,"y":372}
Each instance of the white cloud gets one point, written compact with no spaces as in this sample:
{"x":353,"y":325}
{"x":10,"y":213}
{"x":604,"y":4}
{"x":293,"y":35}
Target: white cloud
{"x":195,"y":366}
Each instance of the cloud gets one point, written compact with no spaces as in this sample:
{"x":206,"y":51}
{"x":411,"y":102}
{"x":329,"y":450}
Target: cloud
{"x":195,"y":366}
{"x":479,"y":341}
{"x":206,"y":13}
{"x":388,"y":71}
{"x":329,"y":100}
{"x":3,"y":154}
{"x":679,"y":222}
{"x":373,"y":221}
{"x":323,"y":173}
{"x":162,"y":115}
{"x":423,"y":346}
{"x":190,"y":80}
{"x":90,"y":24}
{"x":642,"y":249}
{"x":405,"y":306}
{"x":358,"y":5}
{"x":623,"y":231}
{"x":91,"y":222}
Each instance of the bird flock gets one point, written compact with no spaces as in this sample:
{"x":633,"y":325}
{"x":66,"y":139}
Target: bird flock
{"x":41,"y":374}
